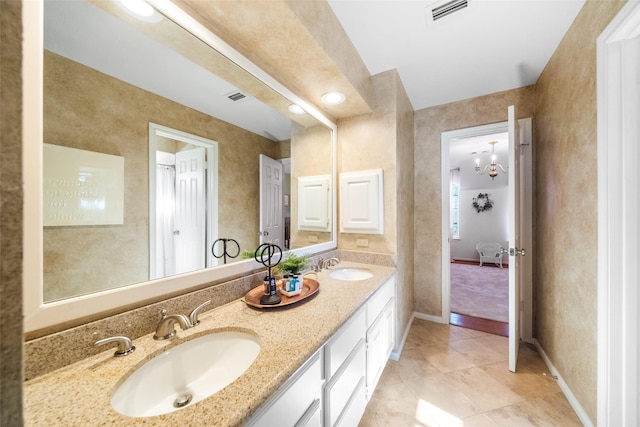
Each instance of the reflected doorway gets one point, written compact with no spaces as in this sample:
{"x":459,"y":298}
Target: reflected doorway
{"x":183,"y":206}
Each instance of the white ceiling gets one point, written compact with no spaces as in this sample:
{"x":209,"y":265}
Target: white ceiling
{"x":488,"y":47}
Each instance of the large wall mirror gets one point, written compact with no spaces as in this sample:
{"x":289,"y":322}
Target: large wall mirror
{"x":146,"y":152}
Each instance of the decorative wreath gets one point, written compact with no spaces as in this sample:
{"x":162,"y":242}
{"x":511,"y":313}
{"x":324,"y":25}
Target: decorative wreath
{"x":482,"y":203}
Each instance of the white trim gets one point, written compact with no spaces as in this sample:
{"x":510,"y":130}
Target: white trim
{"x":395,"y":355}
{"x":37,"y":314}
{"x":526,"y":294}
{"x":579,"y":410}
{"x":431,"y":318}
{"x":618,"y":103}
{"x":32,"y":125}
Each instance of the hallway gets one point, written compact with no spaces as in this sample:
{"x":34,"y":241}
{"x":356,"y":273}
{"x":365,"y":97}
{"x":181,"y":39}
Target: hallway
{"x":451,"y":376}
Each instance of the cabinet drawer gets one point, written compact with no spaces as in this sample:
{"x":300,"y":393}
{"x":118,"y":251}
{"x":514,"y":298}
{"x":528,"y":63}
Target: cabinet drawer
{"x":339,"y":391}
{"x":313,"y":416}
{"x":343,"y":343}
{"x":292,"y":401}
{"x":376,"y":303}
{"x":355,"y":408}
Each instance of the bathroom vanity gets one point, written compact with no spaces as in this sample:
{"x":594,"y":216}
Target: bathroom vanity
{"x":318,"y":364}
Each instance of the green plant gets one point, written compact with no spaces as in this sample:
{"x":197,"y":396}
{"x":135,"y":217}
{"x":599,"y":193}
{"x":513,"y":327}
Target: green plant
{"x":247,"y":254}
{"x":293,"y":264}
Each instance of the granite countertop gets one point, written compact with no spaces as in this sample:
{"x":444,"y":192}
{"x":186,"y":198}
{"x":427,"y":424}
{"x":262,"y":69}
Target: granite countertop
{"x":79,"y":394}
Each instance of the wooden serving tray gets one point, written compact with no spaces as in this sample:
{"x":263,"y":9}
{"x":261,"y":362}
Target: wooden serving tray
{"x":309,"y":287}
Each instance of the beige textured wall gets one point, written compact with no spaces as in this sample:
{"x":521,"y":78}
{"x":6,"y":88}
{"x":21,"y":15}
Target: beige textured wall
{"x":429,"y":124}
{"x":11,"y":213}
{"x":565,"y":231}
{"x":367,"y":142}
{"x":405,"y":207}
{"x":89,"y":110}
{"x":384,"y":139}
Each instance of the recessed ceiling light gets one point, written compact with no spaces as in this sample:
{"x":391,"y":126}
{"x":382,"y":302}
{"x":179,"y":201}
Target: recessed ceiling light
{"x":333,"y":98}
{"x":296,"y":109}
{"x":140,"y":9}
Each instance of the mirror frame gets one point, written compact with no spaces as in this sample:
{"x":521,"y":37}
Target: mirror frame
{"x":59,"y":315}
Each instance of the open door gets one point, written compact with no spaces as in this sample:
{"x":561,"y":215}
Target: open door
{"x":514,"y":239}
{"x":271,"y":216}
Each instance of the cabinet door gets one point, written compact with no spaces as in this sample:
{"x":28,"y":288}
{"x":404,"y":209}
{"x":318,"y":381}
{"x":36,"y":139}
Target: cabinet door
{"x":388,"y":328}
{"x":314,"y":203}
{"x":340,"y":390}
{"x":376,"y":347}
{"x":313,"y":416}
{"x":355,"y":408}
{"x":362,"y":202}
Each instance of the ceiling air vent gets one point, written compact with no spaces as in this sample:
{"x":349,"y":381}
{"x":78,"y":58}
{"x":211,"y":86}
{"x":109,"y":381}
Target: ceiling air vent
{"x":441,"y":9}
{"x":236,"y":96}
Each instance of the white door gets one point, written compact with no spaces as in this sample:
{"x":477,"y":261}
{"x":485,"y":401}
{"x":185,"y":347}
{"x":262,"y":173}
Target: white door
{"x":190,"y":222}
{"x":514,"y":239}
{"x":271,"y":216}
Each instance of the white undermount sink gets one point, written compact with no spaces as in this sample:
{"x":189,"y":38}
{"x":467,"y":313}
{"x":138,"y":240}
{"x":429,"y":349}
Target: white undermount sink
{"x":186,"y":374}
{"x":351,"y":274}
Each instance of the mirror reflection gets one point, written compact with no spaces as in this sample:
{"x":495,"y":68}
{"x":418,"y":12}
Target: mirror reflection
{"x":208,"y":151}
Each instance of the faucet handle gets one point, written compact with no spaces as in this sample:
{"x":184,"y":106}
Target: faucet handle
{"x":125,"y":346}
{"x":193,"y":316}
{"x":331,"y":262}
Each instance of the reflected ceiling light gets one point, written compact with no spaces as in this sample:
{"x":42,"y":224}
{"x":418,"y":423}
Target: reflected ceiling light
{"x":140,"y":9}
{"x":333,"y":98}
{"x":296,"y":109}
{"x":493,"y":167}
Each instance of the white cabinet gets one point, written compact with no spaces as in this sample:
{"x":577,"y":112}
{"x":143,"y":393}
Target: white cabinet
{"x":362,"y":202}
{"x":353,"y":360}
{"x":345,"y":368}
{"x":380,"y":333}
{"x":314,"y":203}
{"x":294,"y":402}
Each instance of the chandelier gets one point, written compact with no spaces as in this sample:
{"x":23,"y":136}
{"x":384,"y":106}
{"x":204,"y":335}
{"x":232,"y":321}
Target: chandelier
{"x":493,"y":167}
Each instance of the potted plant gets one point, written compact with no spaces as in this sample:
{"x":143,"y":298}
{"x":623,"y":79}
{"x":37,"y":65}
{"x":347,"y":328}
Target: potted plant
{"x":293,"y":264}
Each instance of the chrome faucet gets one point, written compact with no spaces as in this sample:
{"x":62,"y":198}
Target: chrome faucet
{"x":193,"y":316}
{"x":330,"y":262}
{"x":318,"y":265}
{"x":165,"y":328}
{"x":125,"y":346}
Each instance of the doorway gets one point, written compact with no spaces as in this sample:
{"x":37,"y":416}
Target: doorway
{"x":182,"y":201}
{"x":524,"y":141}
{"x":478,"y":270}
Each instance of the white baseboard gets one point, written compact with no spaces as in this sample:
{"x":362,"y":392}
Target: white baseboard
{"x":395,"y":355}
{"x":582,"y":415}
{"x":430,"y":317}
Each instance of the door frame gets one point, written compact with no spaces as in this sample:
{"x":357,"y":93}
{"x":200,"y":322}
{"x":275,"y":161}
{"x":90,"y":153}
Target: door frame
{"x":618,"y":103}
{"x":211,"y":186}
{"x":526,"y":292}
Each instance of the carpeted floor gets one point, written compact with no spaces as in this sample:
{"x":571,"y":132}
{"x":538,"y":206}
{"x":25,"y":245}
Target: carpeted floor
{"x":480,"y":291}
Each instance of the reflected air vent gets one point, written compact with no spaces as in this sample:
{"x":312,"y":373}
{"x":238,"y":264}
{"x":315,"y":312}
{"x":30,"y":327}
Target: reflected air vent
{"x":236,"y":96}
{"x":441,"y":9}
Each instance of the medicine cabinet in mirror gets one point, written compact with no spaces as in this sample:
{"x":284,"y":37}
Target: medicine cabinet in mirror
{"x":185,"y":119}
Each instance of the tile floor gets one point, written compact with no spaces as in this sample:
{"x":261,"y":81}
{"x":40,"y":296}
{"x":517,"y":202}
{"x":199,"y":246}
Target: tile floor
{"x":451,"y":376}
